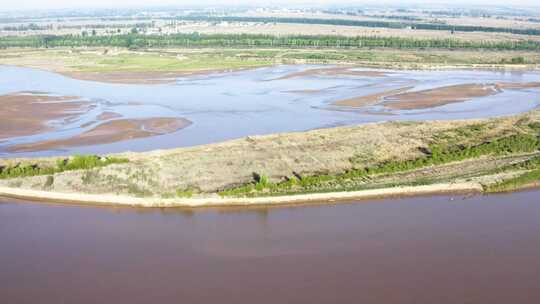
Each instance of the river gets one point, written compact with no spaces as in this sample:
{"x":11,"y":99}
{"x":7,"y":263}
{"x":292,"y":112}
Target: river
{"x":436,"y":249}
{"x":268,"y":100}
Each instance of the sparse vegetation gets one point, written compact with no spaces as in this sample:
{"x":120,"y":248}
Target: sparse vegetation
{"x":518,"y":182}
{"x":435,"y":155}
{"x":184,"y":193}
{"x":77,"y":162}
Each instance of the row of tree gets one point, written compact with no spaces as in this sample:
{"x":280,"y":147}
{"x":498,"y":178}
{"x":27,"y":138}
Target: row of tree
{"x":368,"y":23}
{"x":222,"y":40}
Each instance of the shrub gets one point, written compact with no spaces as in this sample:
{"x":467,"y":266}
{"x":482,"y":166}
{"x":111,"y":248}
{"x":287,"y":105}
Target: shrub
{"x":49,"y":182}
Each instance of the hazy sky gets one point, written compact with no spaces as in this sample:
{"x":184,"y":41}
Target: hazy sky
{"x":55,"y":4}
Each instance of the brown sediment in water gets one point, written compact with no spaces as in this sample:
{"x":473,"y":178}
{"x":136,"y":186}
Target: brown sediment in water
{"x":518,"y":86}
{"x":305,"y":91}
{"x":109,"y":132}
{"x":108,"y":115}
{"x":141,"y":77}
{"x":399,"y":99}
{"x":439,"y":96}
{"x":381,"y":113}
{"x":33,"y":93}
{"x":27,"y":113}
{"x":369,"y":100}
{"x":335,"y":71}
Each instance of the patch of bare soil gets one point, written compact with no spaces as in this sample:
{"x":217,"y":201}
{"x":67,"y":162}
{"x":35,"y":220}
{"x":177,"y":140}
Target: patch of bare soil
{"x":305,"y":91}
{"x":334,"y":71}
{"x":439,"y":96}
{"x":136,"y":77}
{"x":518,"y":86}
{"x":109,"y":132}
{"x":27,"y":113}
{"x":108,"y":116}
{"x":369,"y":100}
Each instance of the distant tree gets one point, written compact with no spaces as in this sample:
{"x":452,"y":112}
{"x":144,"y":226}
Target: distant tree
{"x":84,"y":33}
{"x":134,"y":31}
{"x":129,"y":42}
{"x":518,"y":60}
{"x":94,"y":33}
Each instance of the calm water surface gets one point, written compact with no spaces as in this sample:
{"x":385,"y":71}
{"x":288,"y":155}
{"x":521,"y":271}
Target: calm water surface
{"x":442,"y":249}
{"x":252,"y":102}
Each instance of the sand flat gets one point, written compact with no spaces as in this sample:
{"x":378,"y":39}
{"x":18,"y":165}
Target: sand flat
{"x":107,"y":115}
{"x":156,"y":202}
{"x":305,"y":91}
{"x":109,"y":132}
{"x":142,"y":77}
{"x":333,"y":71}
{"x":518,"y":86}
{"x":400,"y":99}
{"x":439,"y":96}
{"x":27,"y":113}
{"x":369,"y":100}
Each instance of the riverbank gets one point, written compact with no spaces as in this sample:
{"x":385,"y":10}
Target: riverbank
{"x":373,"y":160}
{"x":162,"y":66}
{"x":324,"y":198}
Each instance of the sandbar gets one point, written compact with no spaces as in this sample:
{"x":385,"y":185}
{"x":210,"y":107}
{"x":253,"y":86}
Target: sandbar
{"x":334,"y":71}
{"x":109,"y":132}
{"x":28,"y":113}
{"x":439,"y":96}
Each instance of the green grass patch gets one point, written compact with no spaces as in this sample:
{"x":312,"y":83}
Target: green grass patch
{"x":153,"y":62}
{"x":77,"y":162}
{"x":435,"y":155}
{"x":181,"y":193}
{"x":518,"y":182}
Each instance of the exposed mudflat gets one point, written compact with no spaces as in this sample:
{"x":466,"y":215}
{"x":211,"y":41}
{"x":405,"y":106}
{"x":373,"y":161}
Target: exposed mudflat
{"x":438,"y":96}
{"x":139,"y":77}
{"x":108,"y":116}
{"x":110,"y":132}
{"x":29,"y":113}
{"x":334,"y":71}
{"x":525,"y":85}
{"x":369,"y":100}
{"x":401,"y":99}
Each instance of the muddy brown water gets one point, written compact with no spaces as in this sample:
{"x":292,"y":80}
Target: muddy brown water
{"x":437,"y":249}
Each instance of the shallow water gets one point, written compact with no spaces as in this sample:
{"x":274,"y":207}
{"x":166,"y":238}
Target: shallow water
{"x":441,"y":249}
{"x":233,"y":105}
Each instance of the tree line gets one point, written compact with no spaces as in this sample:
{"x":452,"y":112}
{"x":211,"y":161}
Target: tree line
{"x":367,"y":23}
{"x":195,"y":40}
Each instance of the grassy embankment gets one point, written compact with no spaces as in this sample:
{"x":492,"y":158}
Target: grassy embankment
{"x":77,"y":162}
{"x":180,"y":60}
{"x":441,"y":152}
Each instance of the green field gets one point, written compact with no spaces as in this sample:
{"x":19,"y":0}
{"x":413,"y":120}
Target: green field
{"x":170,"y":60}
